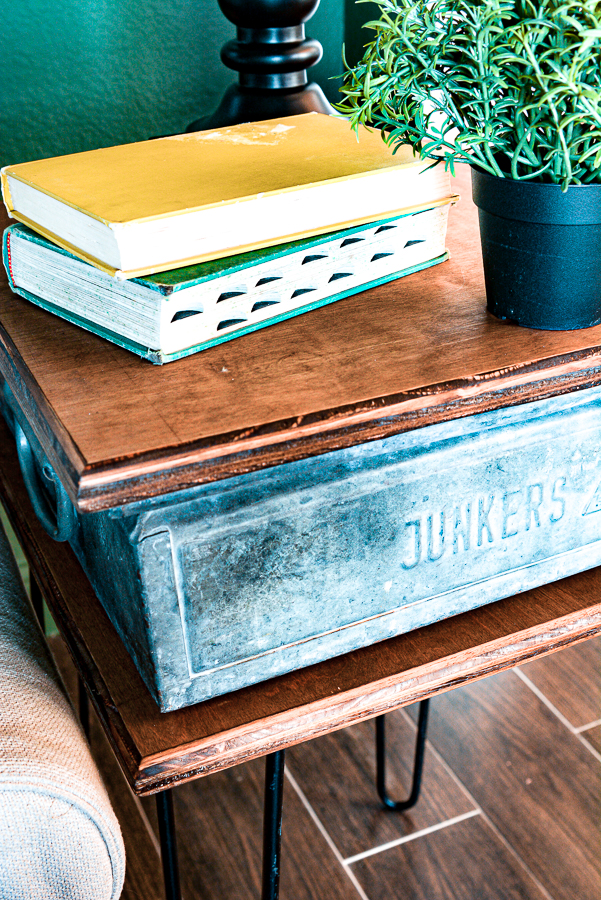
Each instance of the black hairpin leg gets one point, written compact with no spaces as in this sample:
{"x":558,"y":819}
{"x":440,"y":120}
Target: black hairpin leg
{"x":272,"y":832}
{"x":37,"y":601}
{"x":168,"y":845}
{"x":272,"y":824}
{"x":83,"y":706}
{"x":420,"y":745}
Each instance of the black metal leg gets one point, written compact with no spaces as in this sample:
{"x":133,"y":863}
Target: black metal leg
{"x":84,"y":707}
{"x":272,"y":824}
{"x":422,"y":727}
{"x":168,"y":845}
{"x":37,"y":601}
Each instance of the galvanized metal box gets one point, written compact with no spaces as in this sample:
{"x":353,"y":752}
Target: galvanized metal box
{"x":234,"y":582}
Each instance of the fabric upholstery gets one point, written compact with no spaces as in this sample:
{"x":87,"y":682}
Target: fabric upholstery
{"x":59,"y":838}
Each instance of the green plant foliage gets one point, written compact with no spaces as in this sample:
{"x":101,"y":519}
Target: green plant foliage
{"x":512,"y":86}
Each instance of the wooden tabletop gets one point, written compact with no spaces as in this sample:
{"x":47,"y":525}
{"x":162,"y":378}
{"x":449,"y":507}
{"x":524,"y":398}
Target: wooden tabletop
{"x":403,"y":355}
{"x":157,"y":750}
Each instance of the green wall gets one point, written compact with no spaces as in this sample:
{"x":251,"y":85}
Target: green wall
{"x":90,"y":73}
{"x":356,"y":15}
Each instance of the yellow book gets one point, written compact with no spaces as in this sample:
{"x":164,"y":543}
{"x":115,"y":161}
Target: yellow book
{"x":147,"y":207}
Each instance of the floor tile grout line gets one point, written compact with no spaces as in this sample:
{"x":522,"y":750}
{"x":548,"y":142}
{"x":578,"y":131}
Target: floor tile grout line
{"x":443,"y":762}
{"x":511,"y":849}
{"x":550,"y":706}
{"x":594,"y":752}
{"x":338,"y":855}
{"x":412,"y":837}
{"x":586,"y":727}
{"x":486,"y":818}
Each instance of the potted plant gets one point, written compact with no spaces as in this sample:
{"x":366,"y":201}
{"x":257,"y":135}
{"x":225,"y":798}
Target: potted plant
{"x":512,"y":87}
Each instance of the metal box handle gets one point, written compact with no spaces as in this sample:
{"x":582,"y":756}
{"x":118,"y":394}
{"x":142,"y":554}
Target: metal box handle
{"x":59,"y":522}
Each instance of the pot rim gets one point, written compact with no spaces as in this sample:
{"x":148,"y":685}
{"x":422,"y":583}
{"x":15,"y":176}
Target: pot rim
{"x":535,"y":201}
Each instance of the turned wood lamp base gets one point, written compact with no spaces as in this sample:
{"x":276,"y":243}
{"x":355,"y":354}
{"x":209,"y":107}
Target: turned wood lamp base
{"x":271,"y":55}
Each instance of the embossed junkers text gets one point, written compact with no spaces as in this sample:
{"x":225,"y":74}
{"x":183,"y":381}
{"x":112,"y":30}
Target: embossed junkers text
{"x":484,"y":520}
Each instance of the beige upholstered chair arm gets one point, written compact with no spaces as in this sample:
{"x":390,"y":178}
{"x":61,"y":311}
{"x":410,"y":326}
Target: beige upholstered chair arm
{"x":59,"y":837}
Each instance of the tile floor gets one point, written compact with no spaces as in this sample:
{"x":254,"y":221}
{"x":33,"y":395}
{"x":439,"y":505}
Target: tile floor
{"x":510,"y":808}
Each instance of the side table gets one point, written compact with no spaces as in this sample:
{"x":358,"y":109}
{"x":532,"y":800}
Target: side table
{"x":403,"y":356}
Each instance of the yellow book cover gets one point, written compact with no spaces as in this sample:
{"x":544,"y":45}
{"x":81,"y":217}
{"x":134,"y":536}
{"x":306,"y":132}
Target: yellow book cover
{"x":149,"y":206}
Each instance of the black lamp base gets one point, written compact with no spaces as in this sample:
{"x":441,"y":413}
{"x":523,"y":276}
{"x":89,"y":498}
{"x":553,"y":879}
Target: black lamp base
{"x":243,"y":105}
{"x":271,"y":55}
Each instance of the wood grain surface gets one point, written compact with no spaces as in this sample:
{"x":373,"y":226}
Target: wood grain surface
{"x":157,"y":750}
{"x":416,"y":351}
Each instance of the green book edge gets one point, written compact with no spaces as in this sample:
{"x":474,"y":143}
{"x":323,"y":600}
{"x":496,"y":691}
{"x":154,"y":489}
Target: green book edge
{"x":159,"y":358}
{"x":167,"y":283}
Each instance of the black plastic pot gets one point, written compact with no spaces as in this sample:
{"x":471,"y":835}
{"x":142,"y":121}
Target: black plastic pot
{"x":541,"y":250}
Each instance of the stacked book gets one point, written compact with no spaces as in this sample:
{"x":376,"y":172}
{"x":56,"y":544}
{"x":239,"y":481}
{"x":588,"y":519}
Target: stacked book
{"x":168,"y":247}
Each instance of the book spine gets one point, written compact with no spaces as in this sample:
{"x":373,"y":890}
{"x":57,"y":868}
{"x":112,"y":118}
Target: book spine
{"x":6,"y":192}
{"x":7,"y":260}
{"x":65,"y":245}
{"x":155,"y":356}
